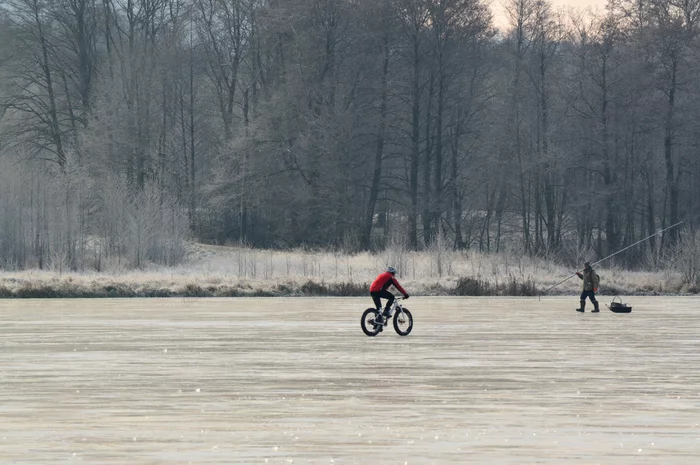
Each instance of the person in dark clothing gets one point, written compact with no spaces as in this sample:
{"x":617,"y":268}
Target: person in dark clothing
{"x":379,"y":290}
{"x":590,"y":287}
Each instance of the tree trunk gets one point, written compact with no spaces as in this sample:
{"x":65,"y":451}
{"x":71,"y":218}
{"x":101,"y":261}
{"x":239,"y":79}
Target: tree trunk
{"x":366,"y":240}
{"x":192,"y":193}
{"x":427,"y":169}
{"x":437,"y":209}
{"x":671,"y":177}
{"x":454,"y":189}
{"x":46,"y":69}
{"x":415,"y":147}
{"x":550,"y":193}
{"x":611,"y":227}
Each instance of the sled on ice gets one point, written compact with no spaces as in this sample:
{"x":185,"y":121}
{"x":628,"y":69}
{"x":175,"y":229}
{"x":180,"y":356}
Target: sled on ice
{"x":616,"y":306}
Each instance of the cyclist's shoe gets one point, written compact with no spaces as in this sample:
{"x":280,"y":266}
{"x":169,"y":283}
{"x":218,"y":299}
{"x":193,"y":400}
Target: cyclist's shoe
{"x":379,"y":319}
{"x":595,"y":310}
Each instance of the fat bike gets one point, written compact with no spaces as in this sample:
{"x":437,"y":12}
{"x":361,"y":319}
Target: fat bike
{"x":402,"y":319}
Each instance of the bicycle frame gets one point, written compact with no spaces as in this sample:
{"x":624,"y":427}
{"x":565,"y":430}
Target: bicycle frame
{"x":396,"y":307}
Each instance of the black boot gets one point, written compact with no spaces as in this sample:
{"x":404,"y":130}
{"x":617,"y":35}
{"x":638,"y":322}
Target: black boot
{"x":595,"y":307}
{"x":583,"y":307}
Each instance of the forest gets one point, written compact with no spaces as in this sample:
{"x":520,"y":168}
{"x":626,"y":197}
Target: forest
{"x":129,"y":128}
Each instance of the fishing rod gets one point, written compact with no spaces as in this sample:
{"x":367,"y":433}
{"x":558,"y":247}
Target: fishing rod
{"x":612,"y":255}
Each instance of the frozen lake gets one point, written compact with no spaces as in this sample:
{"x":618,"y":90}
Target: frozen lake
{"x":294,"y":380}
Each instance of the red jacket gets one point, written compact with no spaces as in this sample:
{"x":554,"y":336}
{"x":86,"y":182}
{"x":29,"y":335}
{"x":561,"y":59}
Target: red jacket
{"x":385,"y":280}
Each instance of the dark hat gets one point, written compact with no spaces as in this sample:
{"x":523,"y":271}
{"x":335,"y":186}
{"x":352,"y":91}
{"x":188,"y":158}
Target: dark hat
{"x":587,"y":265}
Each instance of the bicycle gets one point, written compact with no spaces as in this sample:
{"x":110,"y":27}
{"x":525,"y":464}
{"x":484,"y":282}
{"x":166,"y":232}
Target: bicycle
{"x":403,"y":320}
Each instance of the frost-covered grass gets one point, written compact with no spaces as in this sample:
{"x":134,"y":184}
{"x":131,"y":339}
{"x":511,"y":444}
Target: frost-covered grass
{"x":238,"y":271}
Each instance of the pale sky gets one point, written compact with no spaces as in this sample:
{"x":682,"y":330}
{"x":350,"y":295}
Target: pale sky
{"x":498,"y":10}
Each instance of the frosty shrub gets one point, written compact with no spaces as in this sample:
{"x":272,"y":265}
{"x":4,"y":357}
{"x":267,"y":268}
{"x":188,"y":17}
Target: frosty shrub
{"x":650,"y":258}
{"x":13,"y":252}
{"x":441,"y":255}
{"x":686,"y":259}
{"x":141,"y":228}
{"x":43,"y":217}
{"x":575,"y":253}
{"x":342,"y":289}
{"x":511,"y":286}
{"x":516,"y":256}
{"x":397,"y":255}
{"x":63,"y":220}
{"x":468,"y":286}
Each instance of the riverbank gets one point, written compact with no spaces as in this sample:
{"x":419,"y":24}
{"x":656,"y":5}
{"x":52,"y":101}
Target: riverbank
{"x":217,"y":271}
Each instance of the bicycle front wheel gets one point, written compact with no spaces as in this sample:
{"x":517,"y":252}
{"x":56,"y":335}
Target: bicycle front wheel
{"x":403,"y":322}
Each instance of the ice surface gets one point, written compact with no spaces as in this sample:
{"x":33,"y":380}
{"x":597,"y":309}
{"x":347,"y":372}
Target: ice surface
{"x":292,"y":380}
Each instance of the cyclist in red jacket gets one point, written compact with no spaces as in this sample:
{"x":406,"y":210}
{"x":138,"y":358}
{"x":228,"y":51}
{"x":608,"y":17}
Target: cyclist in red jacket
{"x":378,"y":290}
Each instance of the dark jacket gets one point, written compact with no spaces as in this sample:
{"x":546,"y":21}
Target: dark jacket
{"x":590,"y":278}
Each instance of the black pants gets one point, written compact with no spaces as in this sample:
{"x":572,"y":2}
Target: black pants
{"x":590,"y":295}
{"x":384,"y":294}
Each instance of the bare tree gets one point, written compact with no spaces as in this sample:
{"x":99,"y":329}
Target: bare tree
{"x":36,"y":95}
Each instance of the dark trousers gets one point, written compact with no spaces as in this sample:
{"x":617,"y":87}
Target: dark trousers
{"x":384,"y":294}
{"x":590,"y":295}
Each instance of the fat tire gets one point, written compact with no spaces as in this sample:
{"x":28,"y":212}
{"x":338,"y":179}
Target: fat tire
{"x":410,"y":323}
{"x":374,"y":330}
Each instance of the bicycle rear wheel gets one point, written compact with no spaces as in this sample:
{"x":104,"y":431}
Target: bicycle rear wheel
{"x":367,"y":322}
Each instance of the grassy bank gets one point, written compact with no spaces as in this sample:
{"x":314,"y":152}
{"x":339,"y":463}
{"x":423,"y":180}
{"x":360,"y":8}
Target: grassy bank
{"x":213,"y":271}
